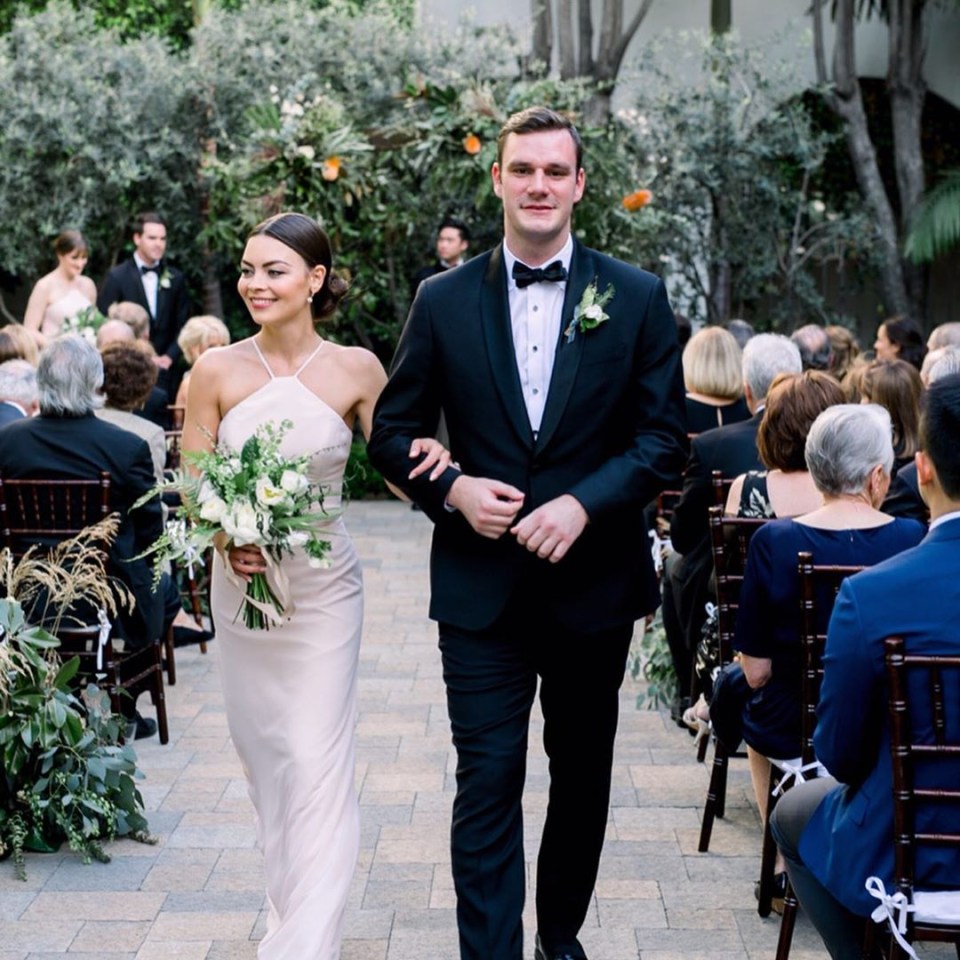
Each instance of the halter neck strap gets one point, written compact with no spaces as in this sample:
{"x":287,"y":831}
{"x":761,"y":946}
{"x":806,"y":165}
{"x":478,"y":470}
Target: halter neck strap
{"x":303,"y":366}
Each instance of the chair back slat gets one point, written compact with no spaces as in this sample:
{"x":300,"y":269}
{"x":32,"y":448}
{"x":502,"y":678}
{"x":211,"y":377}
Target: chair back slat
{"x":919,"y":708}
{"x":174,"y":441}
{"x":730,"y":541}
{"x":48,"y":511}
{"x":819,"y":586}
{"x":721,"y":488}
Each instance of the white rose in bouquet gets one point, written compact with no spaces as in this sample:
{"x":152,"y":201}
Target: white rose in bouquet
{"x":206,"y":491}
{"x":298,"y":538}
{"x":213,"y":509}
{"x":242,"y":523}
{"x":293,"y":482}
{"x":268,"y":494}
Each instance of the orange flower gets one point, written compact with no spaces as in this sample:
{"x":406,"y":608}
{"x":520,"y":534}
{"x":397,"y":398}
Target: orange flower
{"x":472,"y":144}
{"x":637,"y":200}
{"x":331,"y":169}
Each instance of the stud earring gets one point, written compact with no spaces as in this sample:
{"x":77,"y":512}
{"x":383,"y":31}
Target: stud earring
{"x":310,"y":298}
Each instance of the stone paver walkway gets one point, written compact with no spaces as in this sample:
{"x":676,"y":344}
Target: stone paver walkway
{"x":198,"y":894}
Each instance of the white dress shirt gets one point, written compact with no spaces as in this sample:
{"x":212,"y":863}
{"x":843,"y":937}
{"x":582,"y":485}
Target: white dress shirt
{"x":151,"y":285}
{"x":535,"y":317}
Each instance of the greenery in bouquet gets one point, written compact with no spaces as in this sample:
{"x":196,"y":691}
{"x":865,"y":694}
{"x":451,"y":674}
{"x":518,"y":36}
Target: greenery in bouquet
{"x":86,"y":323}
{"x":64,"y":775}
{"x":256,"y":496}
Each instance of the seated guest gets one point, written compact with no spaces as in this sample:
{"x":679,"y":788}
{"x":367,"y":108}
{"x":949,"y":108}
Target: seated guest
{"x":785,"y":488}
{"x":844,"y":349}
{"x":904,"y":498}
{"x":741,"y":330}
{"x":815,"y":347}
{"x":156,"y":407}
{"x":899,"y":338}
{"x":713,"y":376}
{"x":849,"y":456}
{"x":896,"y":386}
{"x":17,"y":343}
{"x":129,"y":374}
{"x":67,"y":441}
{"x":198,"y":335}
{"x":837,"y":831}
{"x":731,"y":450}
{"x":18,"y":391}
{"x":114,"y":331}
{"x":944,"y":335}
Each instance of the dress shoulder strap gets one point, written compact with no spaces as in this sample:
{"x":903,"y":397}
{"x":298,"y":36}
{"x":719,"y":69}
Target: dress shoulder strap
{"x":263,"y":359}
{"x":303,"y":366}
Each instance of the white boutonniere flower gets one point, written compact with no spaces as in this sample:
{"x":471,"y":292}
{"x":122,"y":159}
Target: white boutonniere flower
{"x":165,"y":279}
{"x":589,"y":313}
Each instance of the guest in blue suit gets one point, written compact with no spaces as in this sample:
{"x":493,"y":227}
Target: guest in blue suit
{"x":18,"y":391}
{"x":835,"y":833}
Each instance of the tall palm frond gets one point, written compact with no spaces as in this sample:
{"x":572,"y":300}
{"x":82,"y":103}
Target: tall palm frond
{"x":936,"y":228}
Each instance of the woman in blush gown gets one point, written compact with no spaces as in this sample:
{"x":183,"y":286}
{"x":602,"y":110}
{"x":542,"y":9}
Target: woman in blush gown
{"x":290,"y":692}
{"x":63,"y":292}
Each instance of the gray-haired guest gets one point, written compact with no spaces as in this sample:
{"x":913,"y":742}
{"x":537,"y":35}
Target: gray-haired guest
{"x":67,"y":441}
{"x":849,"y":454}
{"x":18,"y":391}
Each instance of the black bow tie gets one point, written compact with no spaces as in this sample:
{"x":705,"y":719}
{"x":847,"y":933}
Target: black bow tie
{"x":554,"y":272}
{"x":154,"y":269}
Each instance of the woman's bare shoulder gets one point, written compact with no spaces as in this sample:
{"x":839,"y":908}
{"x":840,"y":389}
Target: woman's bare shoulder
{"x":356,"y":361}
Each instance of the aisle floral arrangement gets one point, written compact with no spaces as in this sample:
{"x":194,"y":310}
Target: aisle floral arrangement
{"x":255,"y":497}
{"x":64,"y":775}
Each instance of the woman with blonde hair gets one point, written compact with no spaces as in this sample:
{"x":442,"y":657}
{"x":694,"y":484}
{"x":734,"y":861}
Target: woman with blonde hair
{"x":18,"y":343}
{"x":713,"y":377}
{"x":198,"y":335}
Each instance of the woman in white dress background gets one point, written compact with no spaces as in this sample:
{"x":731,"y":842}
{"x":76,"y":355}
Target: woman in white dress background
{"x":290,"y":692}
{"x":64,"y":291}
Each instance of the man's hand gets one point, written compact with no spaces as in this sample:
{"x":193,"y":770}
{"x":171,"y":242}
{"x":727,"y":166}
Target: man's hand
{"x":551,"y":530}
{"x":489,"y":506}
{"x":162,"y":361}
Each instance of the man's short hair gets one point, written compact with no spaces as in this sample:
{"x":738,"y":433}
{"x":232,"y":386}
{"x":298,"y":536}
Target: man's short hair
{"x":741,"y":330}
{"x":940,"y":432}
{"x":455,"y":223}
{"x":141,"y":219}
{"x":813,"y":341}
{"x":18,"y":382}
{"x":535,"y":120}
{"x":765,"y":357}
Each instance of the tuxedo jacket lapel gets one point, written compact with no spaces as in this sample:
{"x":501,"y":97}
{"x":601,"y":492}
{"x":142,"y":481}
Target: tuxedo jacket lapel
{"x":498,"y":335}
{"x":567,"y":360}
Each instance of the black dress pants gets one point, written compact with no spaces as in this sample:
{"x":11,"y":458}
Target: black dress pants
{"x":491,"y":679}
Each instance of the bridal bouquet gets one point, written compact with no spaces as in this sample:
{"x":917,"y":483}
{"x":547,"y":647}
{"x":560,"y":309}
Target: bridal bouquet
{"x":256,"y":497}
{"x":86,"y":323}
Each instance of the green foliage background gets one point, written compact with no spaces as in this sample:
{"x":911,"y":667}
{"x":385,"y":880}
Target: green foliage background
{"x":343,"y":111}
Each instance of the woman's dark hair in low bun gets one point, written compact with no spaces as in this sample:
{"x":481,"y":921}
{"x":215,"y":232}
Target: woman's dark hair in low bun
{"x":305,"y":236}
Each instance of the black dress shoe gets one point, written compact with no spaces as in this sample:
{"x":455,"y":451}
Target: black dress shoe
{"x":540,"y":952}
{"x":185,"y":636}
{"x":140,"y":727}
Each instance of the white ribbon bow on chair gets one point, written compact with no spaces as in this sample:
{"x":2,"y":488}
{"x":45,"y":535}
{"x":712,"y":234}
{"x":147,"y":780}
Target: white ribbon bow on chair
{"x":794,"y":771}
{"x":894,"y":909}
{"x":104,"y":622}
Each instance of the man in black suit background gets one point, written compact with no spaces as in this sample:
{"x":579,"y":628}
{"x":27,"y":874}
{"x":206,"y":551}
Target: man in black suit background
{"x":18,"y":391}
{"x":565,"y":419}
{"x":453,"y":238}
{"x":67,"y":441}
{"x":147,"y":279}
{"x":732,"y":450}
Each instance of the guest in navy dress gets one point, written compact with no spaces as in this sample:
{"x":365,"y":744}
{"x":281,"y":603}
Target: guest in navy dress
{"x":713,"y":377}
{"x":849,"y":455}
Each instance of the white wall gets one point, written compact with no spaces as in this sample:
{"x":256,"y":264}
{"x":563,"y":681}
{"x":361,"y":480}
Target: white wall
{"x":753,"y":19}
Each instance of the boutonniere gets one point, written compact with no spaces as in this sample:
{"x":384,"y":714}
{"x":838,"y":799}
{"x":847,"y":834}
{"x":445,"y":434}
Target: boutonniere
{"x":589,"y":313}
{"x":165,"y":279}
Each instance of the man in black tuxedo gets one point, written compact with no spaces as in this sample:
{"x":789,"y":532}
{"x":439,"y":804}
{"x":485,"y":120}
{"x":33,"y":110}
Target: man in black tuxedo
{"x":18,"y":391}
{"x":67,"y":441}
{"x":453,"y":238}
{"x":148,"y":280}
{"x":565,"y":421}
{"x":732,"y":450}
